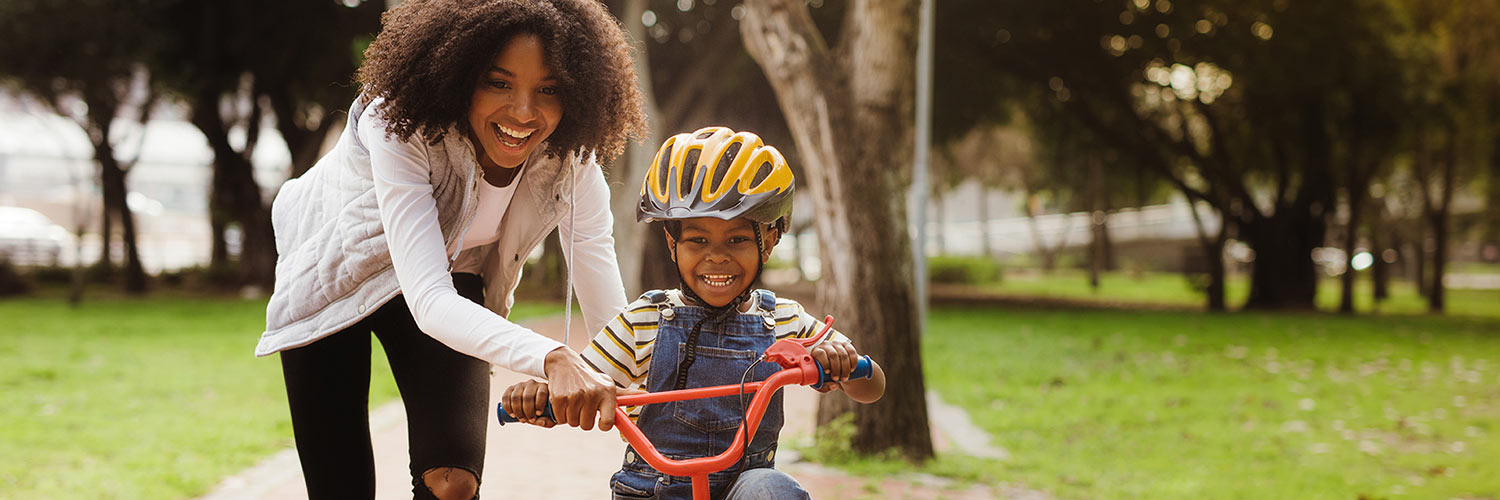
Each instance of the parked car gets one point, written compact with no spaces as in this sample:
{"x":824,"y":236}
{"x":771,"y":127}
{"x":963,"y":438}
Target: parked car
{"x":29,"y":238}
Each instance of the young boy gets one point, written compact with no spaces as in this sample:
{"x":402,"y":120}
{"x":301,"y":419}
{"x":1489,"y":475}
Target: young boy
{"x":726,"y":199}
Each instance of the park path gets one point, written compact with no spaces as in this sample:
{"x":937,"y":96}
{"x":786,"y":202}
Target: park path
{"x":525,"y":461}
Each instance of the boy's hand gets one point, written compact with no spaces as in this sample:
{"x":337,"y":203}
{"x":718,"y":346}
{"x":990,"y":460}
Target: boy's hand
{"x":525,"y":402}
{"x":837,"y":359}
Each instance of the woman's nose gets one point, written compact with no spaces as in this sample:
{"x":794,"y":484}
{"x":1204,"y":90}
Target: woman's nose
{"x":524,"y":107}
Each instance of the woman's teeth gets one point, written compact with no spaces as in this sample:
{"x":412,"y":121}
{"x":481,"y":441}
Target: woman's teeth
{"x":511,"y":137}
{"x":717,"y":279}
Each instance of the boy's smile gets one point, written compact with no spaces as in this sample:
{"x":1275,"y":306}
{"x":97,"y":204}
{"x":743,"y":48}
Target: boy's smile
{"x":718,"y":258}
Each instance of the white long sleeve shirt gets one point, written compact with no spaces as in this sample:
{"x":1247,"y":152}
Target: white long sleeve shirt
{"x":322,"y":218}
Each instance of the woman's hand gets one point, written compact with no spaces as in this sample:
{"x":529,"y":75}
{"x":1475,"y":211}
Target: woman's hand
{"x":525,"y":402}
{"x":837,"y":359}
{"x":578,"y":393}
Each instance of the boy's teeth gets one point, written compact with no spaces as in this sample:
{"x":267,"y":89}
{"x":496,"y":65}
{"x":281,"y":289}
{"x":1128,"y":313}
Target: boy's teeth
{"x":718,"y":279}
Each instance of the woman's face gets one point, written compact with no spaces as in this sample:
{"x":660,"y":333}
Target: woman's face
{"x":516,"y":105}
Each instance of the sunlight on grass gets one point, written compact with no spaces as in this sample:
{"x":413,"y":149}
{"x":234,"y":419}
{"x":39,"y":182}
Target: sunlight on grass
{"x":1116,"y":404}
{"x":1171,"y":289}
{"x":142,"y":398}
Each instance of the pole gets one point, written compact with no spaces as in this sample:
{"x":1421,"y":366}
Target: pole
{"x":919,"y":189}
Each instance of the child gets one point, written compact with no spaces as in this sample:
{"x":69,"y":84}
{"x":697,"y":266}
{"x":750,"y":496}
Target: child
{"x":726,"y":199}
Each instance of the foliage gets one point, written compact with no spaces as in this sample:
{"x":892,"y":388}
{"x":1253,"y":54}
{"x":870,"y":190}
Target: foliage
{"x":69,"y":56}
{"x":11,"y":281}
{"x":963,"y":270}
{"x":1251,"y":107}
{"x":143,"y":398}
{"x":1121,"y":404}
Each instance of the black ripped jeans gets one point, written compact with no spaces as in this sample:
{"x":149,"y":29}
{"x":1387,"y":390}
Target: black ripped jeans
{"x":446,"y":394}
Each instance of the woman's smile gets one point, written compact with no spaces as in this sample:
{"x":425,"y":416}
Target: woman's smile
{"x":516,"y":104}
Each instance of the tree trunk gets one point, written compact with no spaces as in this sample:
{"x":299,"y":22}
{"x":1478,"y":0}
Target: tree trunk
{"x":1284,"y":275}
{"x":1438,"y":218}
{"x":1380,"y":272}
{"x":850,"y":112}
{"x":236,"y":192}
{"x":1213,"y":255}
{"x":632,"y":239}
{"x":1356,"y":207}
{"x":112,"y":182}
{"x":1097,"y":218}
{"x":940,"y":213}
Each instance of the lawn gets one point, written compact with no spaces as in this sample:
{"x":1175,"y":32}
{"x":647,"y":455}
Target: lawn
{"x":158,"y":397}
{"x":1117,"y":404}
{"x":1175,"y":290}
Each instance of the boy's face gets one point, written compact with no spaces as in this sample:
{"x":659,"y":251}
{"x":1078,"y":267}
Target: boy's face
{"x":718,"y":258}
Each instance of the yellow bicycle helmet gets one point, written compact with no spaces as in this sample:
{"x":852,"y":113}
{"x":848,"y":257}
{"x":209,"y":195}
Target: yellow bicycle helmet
{"x":717,"y":172}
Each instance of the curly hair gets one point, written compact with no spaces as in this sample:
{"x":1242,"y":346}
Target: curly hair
{"x":430,"y":55}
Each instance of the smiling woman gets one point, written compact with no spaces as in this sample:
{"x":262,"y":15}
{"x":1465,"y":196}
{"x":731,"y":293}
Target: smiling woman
{"x":394,"y":233}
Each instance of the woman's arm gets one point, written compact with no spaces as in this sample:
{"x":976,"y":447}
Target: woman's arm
{"x":590,"y":229}
{"x":408,"y":213}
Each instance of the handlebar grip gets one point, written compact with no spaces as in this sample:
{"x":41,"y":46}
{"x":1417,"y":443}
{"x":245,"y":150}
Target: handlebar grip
{"x":505,"y":418}
{"x":863,"y":369}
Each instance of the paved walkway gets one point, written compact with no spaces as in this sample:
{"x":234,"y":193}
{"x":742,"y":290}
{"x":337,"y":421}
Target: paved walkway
{"x":525,"y":461}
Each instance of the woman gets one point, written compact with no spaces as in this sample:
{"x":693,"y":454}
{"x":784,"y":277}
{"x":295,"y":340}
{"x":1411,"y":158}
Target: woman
{"x":473,"y":137}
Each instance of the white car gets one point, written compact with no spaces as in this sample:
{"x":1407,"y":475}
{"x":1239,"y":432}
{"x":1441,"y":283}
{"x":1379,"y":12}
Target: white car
{"x":29,"y":238}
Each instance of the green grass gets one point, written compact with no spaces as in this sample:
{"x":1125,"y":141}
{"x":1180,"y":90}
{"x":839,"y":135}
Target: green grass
{"x":158,"y":397}
{"x":1117,"y":404}
{"x":1169,"y":289}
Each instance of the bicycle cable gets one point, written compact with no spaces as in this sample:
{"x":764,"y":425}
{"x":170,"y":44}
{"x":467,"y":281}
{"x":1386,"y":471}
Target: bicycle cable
{"x":744,"y":409}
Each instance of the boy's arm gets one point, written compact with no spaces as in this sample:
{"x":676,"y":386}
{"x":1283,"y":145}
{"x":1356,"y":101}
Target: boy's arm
{"x":615,"y":351}
{"x":838,"y":356}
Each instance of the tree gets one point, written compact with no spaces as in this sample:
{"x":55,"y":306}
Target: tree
{"x":73,"y":60}
{"x":1456,"y":127}
{"x":849,"y":108}
{"x":1241,"y":106}
{"x":235,"y":64}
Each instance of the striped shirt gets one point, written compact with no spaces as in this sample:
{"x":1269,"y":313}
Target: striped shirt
{"x":623,"y":349}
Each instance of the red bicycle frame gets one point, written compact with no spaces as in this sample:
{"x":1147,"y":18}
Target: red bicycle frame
{"x":798,"y":368}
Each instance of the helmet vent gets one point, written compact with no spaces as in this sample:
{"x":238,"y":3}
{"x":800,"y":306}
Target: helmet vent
{"x":689,"y":162}
{"x":761,"y":173}
{"x":664,"y":169}
{"x":705,"y":135}
{"x":722,"y":168}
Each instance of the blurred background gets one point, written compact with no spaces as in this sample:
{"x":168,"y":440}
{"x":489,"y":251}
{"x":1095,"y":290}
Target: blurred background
{"x":1100,"y":227}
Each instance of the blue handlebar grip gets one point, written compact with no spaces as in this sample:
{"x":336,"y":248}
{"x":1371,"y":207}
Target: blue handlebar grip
{"x":863,"y":369}
{"x":505,"y":418}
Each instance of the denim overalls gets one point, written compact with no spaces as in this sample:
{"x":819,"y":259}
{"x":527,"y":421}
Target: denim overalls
{"x":703,"y":427}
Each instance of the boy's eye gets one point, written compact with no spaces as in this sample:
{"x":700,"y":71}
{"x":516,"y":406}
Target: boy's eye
{"x":738,"y":239}
{"x":697,"y":240}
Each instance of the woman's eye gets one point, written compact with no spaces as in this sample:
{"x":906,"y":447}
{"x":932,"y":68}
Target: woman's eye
{"x":500,"y":84}
{"x":548,"y":90}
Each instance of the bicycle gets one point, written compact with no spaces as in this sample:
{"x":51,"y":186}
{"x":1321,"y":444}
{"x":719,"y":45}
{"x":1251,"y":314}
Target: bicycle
{"x":798,"y":367}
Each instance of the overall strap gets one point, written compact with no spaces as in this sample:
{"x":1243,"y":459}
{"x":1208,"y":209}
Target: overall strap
{"x":767,"y":300}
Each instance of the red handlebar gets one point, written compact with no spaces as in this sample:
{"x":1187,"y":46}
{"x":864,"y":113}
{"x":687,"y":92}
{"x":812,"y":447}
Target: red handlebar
{"x":798,"y":368}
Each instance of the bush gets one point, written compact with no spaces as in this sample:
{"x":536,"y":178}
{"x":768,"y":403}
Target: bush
{"x":963,"y":270}
{"x":52,"y":275}
{"x":11,"y":281}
